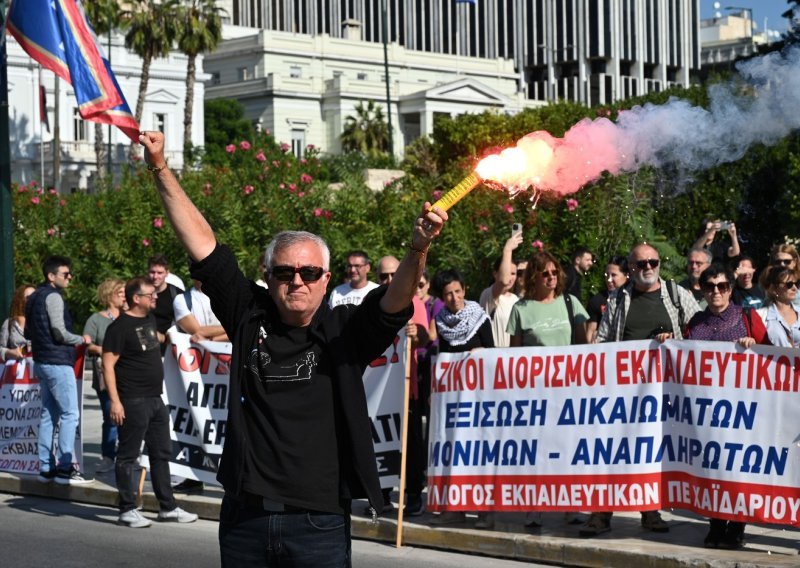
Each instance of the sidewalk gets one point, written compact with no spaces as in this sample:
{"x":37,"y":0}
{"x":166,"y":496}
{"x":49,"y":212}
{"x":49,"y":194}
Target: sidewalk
{"x":556,"y":542}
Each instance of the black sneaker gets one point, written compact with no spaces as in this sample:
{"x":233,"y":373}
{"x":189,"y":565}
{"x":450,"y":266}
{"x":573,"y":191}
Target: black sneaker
{"x":415,"y":506}
{"x":189,"y":486}
{"x":71,"y":477}
{"x":46,"y":476}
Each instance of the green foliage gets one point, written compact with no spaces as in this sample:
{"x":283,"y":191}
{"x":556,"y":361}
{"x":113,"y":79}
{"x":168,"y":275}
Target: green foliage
{"x":225,"y":124}
{"x":367,"y":131}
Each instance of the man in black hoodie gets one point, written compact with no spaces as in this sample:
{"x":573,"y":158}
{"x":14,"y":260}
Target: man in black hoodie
{"x":298,"y":447}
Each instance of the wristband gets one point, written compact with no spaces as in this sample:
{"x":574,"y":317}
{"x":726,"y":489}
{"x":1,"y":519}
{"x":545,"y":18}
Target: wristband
{"x":154,"y":169}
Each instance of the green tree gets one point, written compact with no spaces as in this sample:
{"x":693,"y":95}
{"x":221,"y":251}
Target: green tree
{"x":200,"y":31}
{"x":105,"y":16}
{"x":367,"y":131}
{"x":151,"y":30}
{"x":224,"y":124}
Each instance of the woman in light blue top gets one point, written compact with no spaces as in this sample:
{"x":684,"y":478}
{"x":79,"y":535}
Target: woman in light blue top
{"x":781,"y":314}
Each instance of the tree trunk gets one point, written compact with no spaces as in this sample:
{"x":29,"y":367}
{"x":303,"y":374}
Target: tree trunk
{"x":99,"y":151}
{"x":134,"y":153}
{"x":187,"y":112}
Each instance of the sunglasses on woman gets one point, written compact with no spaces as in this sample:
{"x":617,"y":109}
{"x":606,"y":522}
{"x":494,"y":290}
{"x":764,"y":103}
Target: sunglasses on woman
{"x":782,"y":262}
{"x":307,"y":273}
{"x":791,"y":284}
{"x":723,"y":287}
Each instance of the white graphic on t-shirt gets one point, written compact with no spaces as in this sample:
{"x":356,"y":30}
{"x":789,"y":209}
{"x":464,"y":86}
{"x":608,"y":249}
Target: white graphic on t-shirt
{"x":259,"y":364}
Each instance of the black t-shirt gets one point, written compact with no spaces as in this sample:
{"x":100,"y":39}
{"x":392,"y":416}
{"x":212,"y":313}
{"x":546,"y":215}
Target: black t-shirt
{"x":597,"y":306}
{"x":291,"y":409}
{"x":139,"y":370}
{"x":647,"y":316}
{"x":696,"y":292}
{"x":752,"y":297}
{"x":163,"y":311}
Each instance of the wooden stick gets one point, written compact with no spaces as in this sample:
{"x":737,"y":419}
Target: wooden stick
{"x":404,"y":438}
{"x":140,"y":490}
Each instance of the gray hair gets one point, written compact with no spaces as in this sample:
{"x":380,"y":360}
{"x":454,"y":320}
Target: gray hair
{"x":286,"y":239}
{"x":705,"y":251}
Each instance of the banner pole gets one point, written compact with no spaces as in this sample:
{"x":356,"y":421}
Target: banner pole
{"x":404,"y":444}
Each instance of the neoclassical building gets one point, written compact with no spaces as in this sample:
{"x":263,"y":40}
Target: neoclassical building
{"x":300,"y":66}
{"x":32,"y":145}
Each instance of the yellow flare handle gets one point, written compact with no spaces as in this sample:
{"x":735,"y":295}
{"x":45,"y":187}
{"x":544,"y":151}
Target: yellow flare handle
{"x":461,"y":189}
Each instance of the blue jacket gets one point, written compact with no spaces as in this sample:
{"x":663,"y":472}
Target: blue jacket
{"x":37,"y":328}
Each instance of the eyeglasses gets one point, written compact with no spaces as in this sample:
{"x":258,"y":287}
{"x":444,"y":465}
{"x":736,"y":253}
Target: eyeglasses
{"x":548,"y":273}
{"x":782,"y":261}
{"x":643,"y":264}
{"x":356,"y":266}
{"x":307,"y":273}
{"x":149,"y":294}
{"x":383,"y":276}
{"x":421,"y":285}
{"x":67,"y":274}
{"x":723,"y":287}
{"x":791,"y":284}
{"x":697,"y":262}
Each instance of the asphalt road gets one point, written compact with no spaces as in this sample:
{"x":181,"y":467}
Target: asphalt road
{"x":36,"y":532}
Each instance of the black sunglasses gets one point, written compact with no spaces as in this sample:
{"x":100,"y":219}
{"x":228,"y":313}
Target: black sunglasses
{"x":791,"y":284}
{"x":385,"y":275}
{"x":723,"y":287}
{"x":643,"y":264}
{"x":307,"y":273}
{"x":782,"y":261}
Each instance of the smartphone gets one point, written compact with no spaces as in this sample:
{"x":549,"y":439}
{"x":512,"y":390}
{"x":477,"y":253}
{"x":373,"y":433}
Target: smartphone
{"x":516,"y":229}
{"x":724,"y":225}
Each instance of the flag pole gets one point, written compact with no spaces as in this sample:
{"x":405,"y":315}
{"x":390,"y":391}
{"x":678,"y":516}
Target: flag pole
{"x":43,"y":106}
{"x":404,"y":445}
{"x":6,"y":233}
{"x":57,"y":137}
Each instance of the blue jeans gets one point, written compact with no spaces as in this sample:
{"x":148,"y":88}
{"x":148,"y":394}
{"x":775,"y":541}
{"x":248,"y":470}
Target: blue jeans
{"x":108,"y":445}
{"x":250,"y":537}
{"x":59,"y":407}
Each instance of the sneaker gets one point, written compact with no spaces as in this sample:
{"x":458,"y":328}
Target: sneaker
{"x":133,"y":519}
{"x":485,"y":521}
{"x":71,"y":477}
{"x":189,"y":486}
{"x":533,"y":520}
{"x":574,"y":518}
{"x":734,"y":536}
{"x":106,"y":465}
{"x":652,"y":521}
{"x":415,"y":506}
{"x":448,"y":518}
{"x":177,"y":515}
{"x":597,"y":524}
{"x":46,"y":476}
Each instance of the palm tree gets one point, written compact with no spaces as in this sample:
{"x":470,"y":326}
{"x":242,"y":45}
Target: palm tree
{"x":152,"y":28}
{"x":201,"y":30}
{"x":366,"y":132}
{"x":104,"y":17}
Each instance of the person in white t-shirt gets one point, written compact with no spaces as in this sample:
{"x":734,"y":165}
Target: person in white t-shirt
{"x":498,"y":299}
{"x":358,"y":285}
{"x":193,"y":315}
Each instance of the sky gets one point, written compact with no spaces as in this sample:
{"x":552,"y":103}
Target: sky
{"x":770,"y":9}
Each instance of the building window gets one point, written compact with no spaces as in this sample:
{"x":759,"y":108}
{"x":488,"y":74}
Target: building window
{"x":337,"y":74}
{"x":160,"y":122}
{"x":215,"y":79}
{"x":78,"y":125}
{"x":295,"y":72}
{"x":361,"y":76}
{"x":243,"y":74}
{"x":298,"y":142}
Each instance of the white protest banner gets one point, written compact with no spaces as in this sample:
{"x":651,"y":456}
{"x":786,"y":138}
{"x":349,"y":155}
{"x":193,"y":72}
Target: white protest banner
{"x":20,"y":412}
{"x":384,"y":383}
{"x":196,"y":378}
{"x":629,"y":426}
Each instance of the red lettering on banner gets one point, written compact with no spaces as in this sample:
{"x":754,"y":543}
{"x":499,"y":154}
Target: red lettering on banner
{"x":689,"y":374}
{"x":383,"y":360}
{"x":706,"y":358}
{"x":500,"y":382}
{"x":669,"y":368}
{"x":190,"y":360}
{"x":623,"y":376}
{"x":521,"y":373}
{"x":654,"y":368}
{"x":763,"y":380}
{"x":738,"y":359}
{"x":722,"y":365}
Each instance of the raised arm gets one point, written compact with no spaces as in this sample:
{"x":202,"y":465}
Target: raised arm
{"x":191,"y":228}
{"x":403,"y":286}
{"x":506,"y":264}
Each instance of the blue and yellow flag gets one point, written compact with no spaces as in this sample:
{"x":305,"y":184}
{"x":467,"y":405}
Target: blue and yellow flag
{"x":57,"y":35}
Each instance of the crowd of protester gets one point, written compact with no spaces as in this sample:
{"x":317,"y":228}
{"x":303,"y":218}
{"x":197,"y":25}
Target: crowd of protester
{"x":530,"y":300}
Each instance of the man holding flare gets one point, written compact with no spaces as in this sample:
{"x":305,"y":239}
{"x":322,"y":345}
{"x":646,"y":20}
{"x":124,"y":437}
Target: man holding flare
{"x":298,"y":447}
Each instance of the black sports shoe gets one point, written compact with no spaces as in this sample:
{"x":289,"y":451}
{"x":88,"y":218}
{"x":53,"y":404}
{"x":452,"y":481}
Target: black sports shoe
{"x":46,"y":476}
{"x":71,"y":477}
{"x":415,"y":506}
{"x":189,"y":486}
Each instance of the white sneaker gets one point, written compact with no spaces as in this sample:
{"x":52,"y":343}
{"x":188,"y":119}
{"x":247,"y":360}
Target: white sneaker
{"x":134,"y":519}
{"x":177,"y":515}
{"x":105,"y":466}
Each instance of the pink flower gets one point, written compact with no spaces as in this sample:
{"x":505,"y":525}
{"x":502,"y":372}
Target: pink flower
{"x":282,"y":186}
{"x":292,"y":187}
{"x":62,"y":203}
{"x":261,"y":157}
{"x":51,"y":231}
{"x":248,"y":189}
{"x":572,"y":204}
{"x":52,"y":191}
{"x":230,"y":148}
{"x":310,"y":146}
{"x":317,"y":212}
{"x":21,"y":189}
{"x":483,"y":228}
{"x":158,"y":222}
{"x":33,"y":183}
{"x":276,"y":163}
{"x":35,"y":200}
{"x":40,"y":191}
{"x":303,"y":161}
{"x":305,"y":178}
{"x":146,"y":242}
{"x":266,"y":131}
{"x":301,"y":194}
{"x":322,"y":213}
{"x":436,"y":195}
{"x":207,"y":189}
{"x":508,"y":208}
{"x":537,"y":244}
{"x":285,"y":147}
{"x":244,"y":145}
